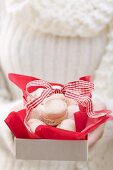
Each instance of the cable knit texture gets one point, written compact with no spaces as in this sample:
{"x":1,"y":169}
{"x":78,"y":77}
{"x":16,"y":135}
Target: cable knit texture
{"x":56,"y":40}
{"x":105,"y":71}
{"x":63,"y":17}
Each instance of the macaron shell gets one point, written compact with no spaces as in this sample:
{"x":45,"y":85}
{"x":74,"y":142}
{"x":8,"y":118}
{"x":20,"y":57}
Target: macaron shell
{"x":55,"y":106}
{"x":71,"y":110}
{"x":70,"y":101}
{"x":67,"y":124}
{"x":35,"y":113}
{"x":34,"y":123}
{"x":54,"y":96}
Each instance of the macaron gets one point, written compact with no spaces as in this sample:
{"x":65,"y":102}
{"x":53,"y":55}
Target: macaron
{"x":71,"y":110}
{"x":70,"y":101}
{"x":34,"y":123}
{"x":35,"y":113}
{"x":67,"y":124}
{"x":54,"y":112}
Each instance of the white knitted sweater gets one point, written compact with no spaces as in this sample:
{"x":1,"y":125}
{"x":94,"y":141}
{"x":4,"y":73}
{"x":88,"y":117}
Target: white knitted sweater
{"x":58,"y":40}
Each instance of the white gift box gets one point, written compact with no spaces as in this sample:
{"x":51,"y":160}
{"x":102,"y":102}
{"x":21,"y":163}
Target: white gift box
{"x":44,"y":149}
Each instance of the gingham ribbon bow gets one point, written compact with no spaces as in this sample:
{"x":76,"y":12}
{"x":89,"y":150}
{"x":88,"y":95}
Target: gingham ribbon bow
{"x":79,"y":90}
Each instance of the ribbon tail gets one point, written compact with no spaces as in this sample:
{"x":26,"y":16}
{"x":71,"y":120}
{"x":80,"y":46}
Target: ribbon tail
{"x":33,"y":104}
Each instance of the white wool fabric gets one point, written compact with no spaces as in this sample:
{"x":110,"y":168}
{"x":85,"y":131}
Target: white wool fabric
{"x":64,"y":17}
{"x":58,"y":41}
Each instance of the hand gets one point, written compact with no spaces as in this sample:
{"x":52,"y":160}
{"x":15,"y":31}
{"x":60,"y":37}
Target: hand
{"x":95,"y":135}
{"x":6,"y":137}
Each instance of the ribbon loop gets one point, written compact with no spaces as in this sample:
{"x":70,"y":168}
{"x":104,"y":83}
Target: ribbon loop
{"x":38,"y":84}
{"x":80,"y":87}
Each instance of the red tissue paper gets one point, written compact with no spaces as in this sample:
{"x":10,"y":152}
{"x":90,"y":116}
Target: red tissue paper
{"x":86,"y":119}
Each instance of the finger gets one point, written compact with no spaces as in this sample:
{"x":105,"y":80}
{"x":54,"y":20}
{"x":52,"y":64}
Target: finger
{"x":96,"y":135}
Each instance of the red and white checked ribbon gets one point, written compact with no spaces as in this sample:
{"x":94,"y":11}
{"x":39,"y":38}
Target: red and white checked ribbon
{"x":79,"y":90}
